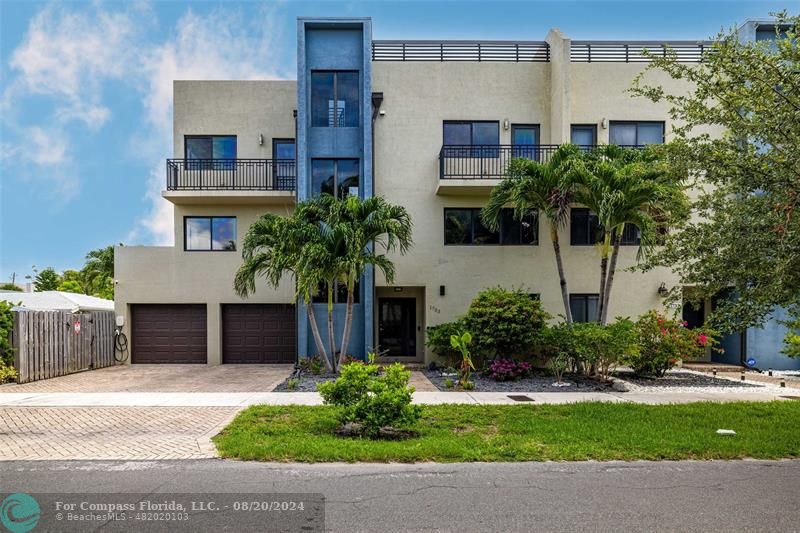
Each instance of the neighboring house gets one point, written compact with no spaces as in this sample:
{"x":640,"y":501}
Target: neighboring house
{"x":427,"y":125}
{"x":56,"y":301}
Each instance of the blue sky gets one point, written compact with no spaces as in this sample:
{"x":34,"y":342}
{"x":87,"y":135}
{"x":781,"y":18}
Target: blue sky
{"x":85,"y":102}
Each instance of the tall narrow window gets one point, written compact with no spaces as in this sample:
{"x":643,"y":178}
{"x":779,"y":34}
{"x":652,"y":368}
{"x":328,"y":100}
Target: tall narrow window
{"x":283,"y":163}
{"x":584,"y":227}
{"x":624,"y":133}
{"x":334,"y":99}
{"x":524,"y":140}
{"x":217,"y":234}
{"x":340,"y":177}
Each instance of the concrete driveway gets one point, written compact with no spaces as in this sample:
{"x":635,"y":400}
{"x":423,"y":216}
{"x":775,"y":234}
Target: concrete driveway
{"x":163,"y":378}
{"x":128,"y":432}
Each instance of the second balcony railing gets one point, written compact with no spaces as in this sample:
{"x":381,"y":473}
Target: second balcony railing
{"x":487,"y":161}
{"x":231,"y":174}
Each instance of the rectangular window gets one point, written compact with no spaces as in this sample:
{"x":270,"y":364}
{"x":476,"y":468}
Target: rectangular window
{"x":334,"y":99}
{"x":339,"y":293}
{"x":482,"y":136}
{"x":215,"y":234}
{"x":335,"y":176}
{"x":283,"y":163}
{"x":584,"y":307}
{"x":463,"y":225}
{"x":210,"y":152}
{"x":583,"y":134}
{"x":584,"y":228}
{"x":624,"y":133}
{"x":525,"y":140}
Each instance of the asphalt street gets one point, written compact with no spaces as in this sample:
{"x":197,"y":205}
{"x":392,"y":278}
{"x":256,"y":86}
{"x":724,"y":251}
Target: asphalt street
{"x":610,"y":496}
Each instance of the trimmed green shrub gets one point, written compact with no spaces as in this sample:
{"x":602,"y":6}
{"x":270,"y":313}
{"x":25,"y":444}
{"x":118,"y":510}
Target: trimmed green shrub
{"x":7,"y":370}
{"x":504,"y":323}
{"x":438,"y":340}
{"x":372,"y":400}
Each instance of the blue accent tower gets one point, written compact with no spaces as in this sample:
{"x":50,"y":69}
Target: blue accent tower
{"x":334,"y":146}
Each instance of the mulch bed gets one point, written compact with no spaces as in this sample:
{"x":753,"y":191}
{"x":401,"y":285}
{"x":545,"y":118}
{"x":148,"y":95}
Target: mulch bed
{"x":682,"y":379}
{"x":536,"y":383}
{"x":308,"y":382}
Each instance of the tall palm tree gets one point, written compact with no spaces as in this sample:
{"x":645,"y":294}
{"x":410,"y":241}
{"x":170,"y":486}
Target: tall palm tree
{"x":540,"y":189}
{"x":360,"y":227}
{"x":99,"y":271}
{"x":276,"y":246}
{"x":627,"y":187}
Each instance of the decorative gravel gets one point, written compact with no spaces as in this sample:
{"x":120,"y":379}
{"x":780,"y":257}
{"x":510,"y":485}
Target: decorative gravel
{"x":308,"y":383}
{"x":681,"y":379}
{"x":536,"y":383}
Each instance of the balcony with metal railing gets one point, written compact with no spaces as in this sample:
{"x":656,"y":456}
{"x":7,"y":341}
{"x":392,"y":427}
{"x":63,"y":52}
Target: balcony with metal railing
{"x":193,"y":181}
{"x":476,"y":169}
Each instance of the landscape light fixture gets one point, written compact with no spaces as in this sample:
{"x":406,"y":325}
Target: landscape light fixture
{"x":662,"y":289}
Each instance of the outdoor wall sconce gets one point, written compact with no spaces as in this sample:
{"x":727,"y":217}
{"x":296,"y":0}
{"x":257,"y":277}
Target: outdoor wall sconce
{"x":604,"y":123}
{"x":662,"y":289}
{"x":441,"y":290}
{"x":505,"y":124}
{"x":260,"y":140}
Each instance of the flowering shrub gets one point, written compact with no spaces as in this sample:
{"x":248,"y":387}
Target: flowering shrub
{"x":663,"y":342}
{"x":508,"y":370}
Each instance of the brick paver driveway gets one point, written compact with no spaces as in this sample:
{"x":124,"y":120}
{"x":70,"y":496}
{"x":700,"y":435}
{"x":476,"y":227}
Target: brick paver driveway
{"x":163,"y":378}
{"x":128,"y":432}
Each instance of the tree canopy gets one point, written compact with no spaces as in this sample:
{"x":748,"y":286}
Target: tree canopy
{"x":737,"y":132}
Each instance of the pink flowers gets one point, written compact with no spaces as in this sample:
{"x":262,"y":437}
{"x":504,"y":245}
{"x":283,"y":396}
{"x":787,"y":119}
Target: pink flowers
{"x":702,"y":339}
{"x":509,"y":370}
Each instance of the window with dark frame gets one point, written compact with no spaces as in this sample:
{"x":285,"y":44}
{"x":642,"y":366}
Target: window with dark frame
{"x":635,"y":133}
{"x":209,"y":234}
{"x":210,"y":152}
{"x":339,"y":177}
{"x":463,"y":225}
{"x":525,"y":141}
{"x":339,"y":293}
{"x":335,"y":99}
{"x":482,"y":135}
{"x":585,"y":229}
{"x":584,"y":307}
{"x":284,"y":155}
{"x":583,"y":134}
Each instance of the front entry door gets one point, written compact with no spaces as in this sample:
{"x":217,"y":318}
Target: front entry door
{"x":397,"y":327}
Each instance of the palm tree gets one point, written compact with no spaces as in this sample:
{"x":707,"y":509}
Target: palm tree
{"x":99,"y":271}
{"x":627,"y":187}
{"x":359,"y":227}
{"x":540,"y":189}
{"x":276,"y":246}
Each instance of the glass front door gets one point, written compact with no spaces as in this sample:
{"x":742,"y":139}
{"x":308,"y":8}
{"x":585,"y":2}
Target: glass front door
{"x":397,"y":327}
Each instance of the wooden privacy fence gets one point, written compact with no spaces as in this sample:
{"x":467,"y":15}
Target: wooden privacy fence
{"x":56,"y":343}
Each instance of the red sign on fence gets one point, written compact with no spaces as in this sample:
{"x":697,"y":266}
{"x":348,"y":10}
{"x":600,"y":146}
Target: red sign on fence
{"x":77,"y":327}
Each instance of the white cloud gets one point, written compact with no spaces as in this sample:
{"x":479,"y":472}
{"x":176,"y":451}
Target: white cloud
{"x":68,"y":54}
{"x":219,"y":46}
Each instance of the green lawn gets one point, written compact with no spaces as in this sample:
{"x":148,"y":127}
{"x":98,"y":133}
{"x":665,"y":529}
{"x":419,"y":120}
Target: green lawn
{"x":572,"y":432}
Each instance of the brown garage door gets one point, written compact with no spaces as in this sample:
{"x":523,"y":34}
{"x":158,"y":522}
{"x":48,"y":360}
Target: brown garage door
{"x":168,"y":333}
{"x":258,"y":333}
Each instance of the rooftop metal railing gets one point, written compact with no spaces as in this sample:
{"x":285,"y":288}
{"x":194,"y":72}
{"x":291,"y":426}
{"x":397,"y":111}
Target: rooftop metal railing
{"x":634,"y":51}
{"x":514,"y":51}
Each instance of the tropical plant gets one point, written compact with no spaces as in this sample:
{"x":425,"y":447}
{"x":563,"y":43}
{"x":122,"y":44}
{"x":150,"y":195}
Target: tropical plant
{"x":275,"y":247}
{"x":792,"y":338}
{"x":7,"y":370}
{"x":438,"y":340}
{"x":461,"y":343}
{"x":504,"y":322}
{"x":98,"y":272}
{"x":538,"y":189}
{"x":600,"y":349}
{"x":363,"y":233}
{"x":559,"y":365}
{"x":375,"y":401}
{"x":628,"y":187}
{"x":746,"y":235}
{"x":664,"y":342}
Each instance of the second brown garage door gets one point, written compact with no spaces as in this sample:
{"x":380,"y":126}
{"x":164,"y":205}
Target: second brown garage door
{"x":258,"y":333}
{"x":168,"y":333}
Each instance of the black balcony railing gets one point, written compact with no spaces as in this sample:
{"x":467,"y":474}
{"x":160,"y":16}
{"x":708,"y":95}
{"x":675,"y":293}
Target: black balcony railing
{"x":490,"y":161}
{"x":486,"y":161}
{"x":231,"y":174}
{"x":634,"y":51}
{"x":515,"y":51}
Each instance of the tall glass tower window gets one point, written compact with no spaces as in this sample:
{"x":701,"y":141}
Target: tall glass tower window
{"x":334,"y":99}
{"x":339,"y":177}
